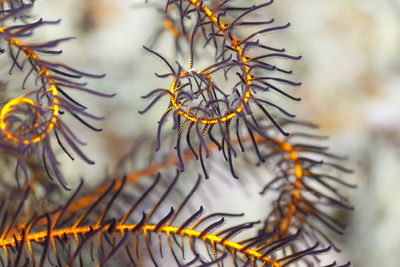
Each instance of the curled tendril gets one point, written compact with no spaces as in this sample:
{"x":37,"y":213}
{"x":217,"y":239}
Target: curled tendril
{"x":34,"y":128}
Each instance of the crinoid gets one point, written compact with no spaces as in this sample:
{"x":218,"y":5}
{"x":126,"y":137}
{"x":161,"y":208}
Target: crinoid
{"x":28,"y":122}
{"x":220,"y":105}
{"x":238,"y":106}
{"x":103,"y":232}
{"x":200,"y":101}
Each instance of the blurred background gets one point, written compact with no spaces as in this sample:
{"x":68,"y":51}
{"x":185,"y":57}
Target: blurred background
{"x":350,"y":73}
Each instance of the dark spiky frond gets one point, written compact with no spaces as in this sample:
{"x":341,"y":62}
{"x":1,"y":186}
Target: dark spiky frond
{"x":106,"y":234}
{"x":222,"y":104}
{"x":308,"y":192}
{"x":213,"y":99}
{"x":169,"y":25}
{"x":29,"y":122}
